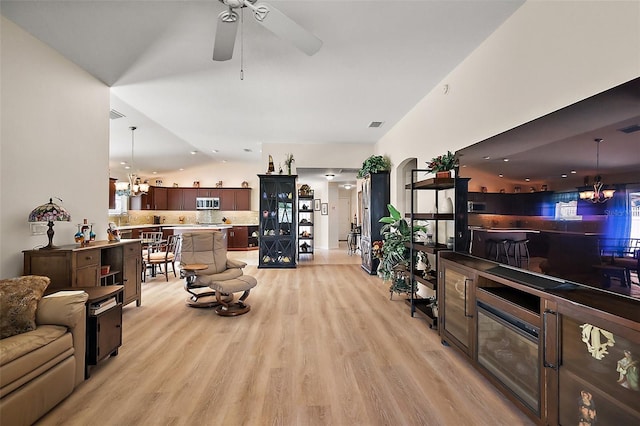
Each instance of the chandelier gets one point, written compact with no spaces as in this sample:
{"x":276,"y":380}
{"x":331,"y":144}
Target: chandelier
{"x":134,"y":186}
{"x":597,"y":193}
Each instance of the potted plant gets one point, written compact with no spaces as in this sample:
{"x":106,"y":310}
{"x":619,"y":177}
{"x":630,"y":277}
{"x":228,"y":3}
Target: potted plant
{"x":442,"y":165}
{"x":374,"y":164}
{"x":288,"y":161}
{"x":396,"y":232}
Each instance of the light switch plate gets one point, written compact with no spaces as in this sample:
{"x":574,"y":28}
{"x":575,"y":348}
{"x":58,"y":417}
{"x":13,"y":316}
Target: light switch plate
{"x":38,"y":228}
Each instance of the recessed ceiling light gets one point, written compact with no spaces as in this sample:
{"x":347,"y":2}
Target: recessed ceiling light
{"x":127,"y":167}
{"x":486,"y":157}
{"x":122,"y":163}
{"x":564,"y":175}
{"x":505,"y":159}
{"x":329,"y":176}
{"x":573,"y":172}
{"x":527,"y":179}
{"x":154,"y":173}
{"x":194,"y":152}
{"x":347,"y":186}
{"x":215,"y":151}
{"x":500,"y":175}
{"x":181,"y":169}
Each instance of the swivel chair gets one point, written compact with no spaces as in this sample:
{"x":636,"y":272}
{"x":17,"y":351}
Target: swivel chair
{"x":204,"y":264}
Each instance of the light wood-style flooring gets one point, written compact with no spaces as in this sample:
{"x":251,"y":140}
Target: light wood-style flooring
{"x":322,"y":345}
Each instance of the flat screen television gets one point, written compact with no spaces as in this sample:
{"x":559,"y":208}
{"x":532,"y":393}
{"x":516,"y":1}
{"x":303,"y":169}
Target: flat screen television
{"x":529,"y":180}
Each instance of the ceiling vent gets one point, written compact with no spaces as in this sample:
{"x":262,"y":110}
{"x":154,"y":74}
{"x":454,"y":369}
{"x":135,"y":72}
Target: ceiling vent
{"x":630,"y":129}
{"x":376,"y":124}
{"x":114,"y":115}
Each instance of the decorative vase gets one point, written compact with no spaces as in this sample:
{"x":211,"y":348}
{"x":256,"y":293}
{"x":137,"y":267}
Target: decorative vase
{"x":443,"y":175}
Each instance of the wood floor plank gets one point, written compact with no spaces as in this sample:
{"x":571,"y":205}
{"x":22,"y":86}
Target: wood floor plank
{"x":322,"y":345}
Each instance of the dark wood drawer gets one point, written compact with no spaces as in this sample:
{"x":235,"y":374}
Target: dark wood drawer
{"x":87,"y":258}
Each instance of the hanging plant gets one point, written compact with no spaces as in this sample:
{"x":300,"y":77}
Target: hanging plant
{"x":374,"y":164}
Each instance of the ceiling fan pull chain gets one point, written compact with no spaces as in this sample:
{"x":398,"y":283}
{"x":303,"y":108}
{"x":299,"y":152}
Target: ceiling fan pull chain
{"x":242,"y":44}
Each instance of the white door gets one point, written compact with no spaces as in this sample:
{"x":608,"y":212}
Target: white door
{"x":344,"y":215}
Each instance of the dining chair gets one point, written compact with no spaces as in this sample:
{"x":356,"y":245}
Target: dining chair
{"x":163,"y":253}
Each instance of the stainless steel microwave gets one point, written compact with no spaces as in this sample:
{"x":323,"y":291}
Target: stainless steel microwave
{"x":208,"y":203}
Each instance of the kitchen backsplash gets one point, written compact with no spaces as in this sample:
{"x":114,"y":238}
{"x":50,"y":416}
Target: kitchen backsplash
{"x":145,"y":217}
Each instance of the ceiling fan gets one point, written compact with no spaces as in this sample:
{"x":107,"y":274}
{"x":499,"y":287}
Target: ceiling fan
{"x":274,"y":20}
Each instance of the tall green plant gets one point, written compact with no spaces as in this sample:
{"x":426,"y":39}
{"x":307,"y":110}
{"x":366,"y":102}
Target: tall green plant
{"x":396,"y":233}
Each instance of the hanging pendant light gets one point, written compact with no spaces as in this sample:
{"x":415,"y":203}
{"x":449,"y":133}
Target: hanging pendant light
{"x":597,"y":193}
{"x":134,"y":186}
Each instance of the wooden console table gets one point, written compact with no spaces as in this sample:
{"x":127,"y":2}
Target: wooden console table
{"x":75,"y":266}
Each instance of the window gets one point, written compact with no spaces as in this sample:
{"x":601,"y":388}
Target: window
{"x":122,"y":203}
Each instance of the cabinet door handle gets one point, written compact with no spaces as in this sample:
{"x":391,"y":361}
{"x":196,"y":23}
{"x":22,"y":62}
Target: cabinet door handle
{"x":465,"y":298}
{"x":544,"y":340}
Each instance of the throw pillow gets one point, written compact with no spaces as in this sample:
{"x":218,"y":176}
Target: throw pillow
{"x":19,"y":299}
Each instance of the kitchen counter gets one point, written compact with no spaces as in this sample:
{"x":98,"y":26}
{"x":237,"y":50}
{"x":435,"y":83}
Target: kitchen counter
{"x":183,"y":225}
{"x":530,"y":231}
{"x":192,"y":227}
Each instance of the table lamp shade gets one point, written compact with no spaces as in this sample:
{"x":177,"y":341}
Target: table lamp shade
{"x":49,"y":213}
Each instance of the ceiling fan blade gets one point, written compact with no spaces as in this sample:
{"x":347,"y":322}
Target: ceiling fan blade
{"x":285,"y":28}
{"x":226,"y":30}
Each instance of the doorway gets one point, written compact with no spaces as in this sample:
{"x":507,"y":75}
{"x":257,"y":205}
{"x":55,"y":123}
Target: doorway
{"x":344,"y":217}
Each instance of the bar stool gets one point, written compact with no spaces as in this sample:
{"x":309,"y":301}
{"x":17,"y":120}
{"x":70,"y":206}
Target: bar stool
{"x":491,"y":247}
{"x":503,"y":247}
{"x":520,"y":252}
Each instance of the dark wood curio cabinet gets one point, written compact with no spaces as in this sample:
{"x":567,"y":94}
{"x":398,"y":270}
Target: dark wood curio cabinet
{"x":277,"y":216}
{"x":375,"y":198}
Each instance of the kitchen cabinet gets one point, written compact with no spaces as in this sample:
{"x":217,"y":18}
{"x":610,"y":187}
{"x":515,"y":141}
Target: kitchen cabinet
{"x":235,"y":199}
{"x":175,"y":198}
{"x":375,"y":198}
{"x":75,"y":266}
{"x":277,"y":234}
{"x":208,"y":192}
{"x":112,"y":193}
{"x":154,"y":199}
{"x":181,"y":198}
{"x":238,"y":238}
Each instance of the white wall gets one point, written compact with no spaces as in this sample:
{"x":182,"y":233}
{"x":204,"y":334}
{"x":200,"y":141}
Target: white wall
{"x":54,"y":142}
{"x":547,"y":55}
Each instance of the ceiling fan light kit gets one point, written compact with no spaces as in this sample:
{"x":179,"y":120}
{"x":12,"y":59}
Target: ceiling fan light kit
{"x":270,"y":17}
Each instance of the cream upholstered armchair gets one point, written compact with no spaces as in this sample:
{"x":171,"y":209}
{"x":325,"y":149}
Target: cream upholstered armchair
{"x":204,"y":264}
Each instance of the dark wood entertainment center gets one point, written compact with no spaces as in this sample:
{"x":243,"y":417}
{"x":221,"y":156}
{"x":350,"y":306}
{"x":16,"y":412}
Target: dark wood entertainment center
{"x":563,"y":353}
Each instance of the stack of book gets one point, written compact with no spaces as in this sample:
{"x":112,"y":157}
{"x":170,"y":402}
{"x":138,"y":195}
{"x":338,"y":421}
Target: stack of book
{"x":96,"y":308}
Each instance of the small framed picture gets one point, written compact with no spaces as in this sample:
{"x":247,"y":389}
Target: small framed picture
{"x":325,"y":208}
{"x":316,"y":204}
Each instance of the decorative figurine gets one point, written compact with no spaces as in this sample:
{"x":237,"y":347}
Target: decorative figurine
{"x":628,"y":369}
{"x":113,"y":233}
{"x":271,"y":168}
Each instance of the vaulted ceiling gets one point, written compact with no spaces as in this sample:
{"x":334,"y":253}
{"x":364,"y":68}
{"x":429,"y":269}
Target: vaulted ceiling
{"x":378,"y":59}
